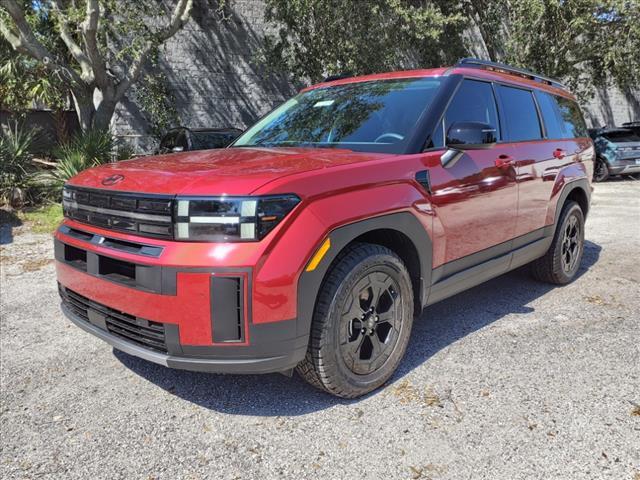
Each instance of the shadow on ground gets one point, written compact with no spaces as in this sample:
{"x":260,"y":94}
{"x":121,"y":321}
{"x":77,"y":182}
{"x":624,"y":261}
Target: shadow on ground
{"x":273,"y":395}
{"x":8,"y":221}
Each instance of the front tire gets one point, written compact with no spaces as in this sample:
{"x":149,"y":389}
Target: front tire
{"x":361,"y":323}
{"x":561,"y":262}
{"x":600,"y":170}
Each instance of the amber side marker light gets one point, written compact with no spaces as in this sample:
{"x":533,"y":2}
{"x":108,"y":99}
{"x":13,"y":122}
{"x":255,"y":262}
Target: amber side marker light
{"x":319,"y":255}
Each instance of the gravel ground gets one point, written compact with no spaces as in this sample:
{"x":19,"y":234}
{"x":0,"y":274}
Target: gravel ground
{"x":513,"y":379}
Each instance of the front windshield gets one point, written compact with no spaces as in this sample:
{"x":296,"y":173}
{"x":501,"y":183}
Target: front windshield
{"x":376,"y":116}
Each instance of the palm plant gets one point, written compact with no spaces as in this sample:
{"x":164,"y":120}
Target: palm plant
{"x":85,"y":150}
{"x":16,"y":169}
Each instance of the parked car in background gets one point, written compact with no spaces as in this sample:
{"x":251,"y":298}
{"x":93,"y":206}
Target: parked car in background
{"x":183,"y":139}
{"x":617,"y":151}
{"x":633,"y":126}
{"x":314,"y":240}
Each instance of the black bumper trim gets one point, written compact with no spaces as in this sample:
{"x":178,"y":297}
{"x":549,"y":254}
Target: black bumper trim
{"x":285,"y":354}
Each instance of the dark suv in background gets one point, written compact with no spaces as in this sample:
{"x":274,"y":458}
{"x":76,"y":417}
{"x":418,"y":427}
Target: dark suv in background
{"x":617,"y":151}
{"x":183,"y":139}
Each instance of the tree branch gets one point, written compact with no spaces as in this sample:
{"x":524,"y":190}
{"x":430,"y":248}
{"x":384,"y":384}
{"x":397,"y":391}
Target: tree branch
{"x":90,"y":35}
{"x":179,"y":18}
{"x":72,"y":46}
{"x":25,"y":42}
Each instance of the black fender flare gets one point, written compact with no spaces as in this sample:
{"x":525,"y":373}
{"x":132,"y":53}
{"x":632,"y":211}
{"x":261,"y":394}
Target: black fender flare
{"x":582,"y":184}
{"x":309,"y":283}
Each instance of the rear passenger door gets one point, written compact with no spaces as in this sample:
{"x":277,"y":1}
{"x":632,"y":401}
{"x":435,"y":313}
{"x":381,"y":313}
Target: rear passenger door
{"x":533,"y":155}
{"x":543,"y":144}
{"x":476,"y":198}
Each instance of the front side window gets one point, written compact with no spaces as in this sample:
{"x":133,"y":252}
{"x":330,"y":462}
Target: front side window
{"x":473,"y":102}
{"x":520,"y":114}
{"x":377,"y":116}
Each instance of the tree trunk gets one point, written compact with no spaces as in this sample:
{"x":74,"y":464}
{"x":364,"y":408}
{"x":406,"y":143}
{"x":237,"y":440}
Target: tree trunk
{"x":104,"y":113}
{"x":84,"y":109}
{"x":94,"y":110}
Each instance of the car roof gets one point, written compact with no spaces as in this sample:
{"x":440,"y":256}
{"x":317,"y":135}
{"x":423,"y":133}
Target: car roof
{"x":615,"y":130}
{"x":471,"y":72}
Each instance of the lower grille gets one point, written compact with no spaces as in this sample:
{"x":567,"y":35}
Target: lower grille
{"x":141,"y":332}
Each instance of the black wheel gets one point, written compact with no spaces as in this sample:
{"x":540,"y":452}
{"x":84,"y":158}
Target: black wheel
{"x":562,"y":261}
{"x":361,"y":323}
{"x":600,"y":170}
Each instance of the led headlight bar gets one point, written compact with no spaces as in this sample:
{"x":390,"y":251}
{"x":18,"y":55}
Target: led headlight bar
{"x":229,"y":219}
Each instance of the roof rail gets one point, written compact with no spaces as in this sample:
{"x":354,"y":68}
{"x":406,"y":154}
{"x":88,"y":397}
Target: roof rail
{"x":504,"y":68}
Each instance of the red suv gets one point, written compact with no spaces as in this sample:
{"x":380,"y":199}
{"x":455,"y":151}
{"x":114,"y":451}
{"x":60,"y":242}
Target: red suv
{"x":316,"y":238}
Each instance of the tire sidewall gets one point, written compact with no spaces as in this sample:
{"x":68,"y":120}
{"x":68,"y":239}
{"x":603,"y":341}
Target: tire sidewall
{"x":392,"y":266}
{"x":573,"y":209}
{"x":605,"y":170}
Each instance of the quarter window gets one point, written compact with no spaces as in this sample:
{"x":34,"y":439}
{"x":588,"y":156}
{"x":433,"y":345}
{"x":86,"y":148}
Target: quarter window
{"x":572,"y":120}
{"x":520,"y":114}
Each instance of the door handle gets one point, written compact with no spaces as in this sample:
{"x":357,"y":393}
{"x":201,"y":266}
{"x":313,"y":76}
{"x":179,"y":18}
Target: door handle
{"x":559,"y":153}
{"x":504,"y":161}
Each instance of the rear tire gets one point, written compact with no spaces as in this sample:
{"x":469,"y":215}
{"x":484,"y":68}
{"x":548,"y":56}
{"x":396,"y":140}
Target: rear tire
{"x":361,"y":324}
{"x":562,"y":261}
{"x":600,"y":170}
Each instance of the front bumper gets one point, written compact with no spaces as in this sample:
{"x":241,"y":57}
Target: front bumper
{"x":624,"y":168}
{"x":218,"y":362}
{"x":130,"y":295}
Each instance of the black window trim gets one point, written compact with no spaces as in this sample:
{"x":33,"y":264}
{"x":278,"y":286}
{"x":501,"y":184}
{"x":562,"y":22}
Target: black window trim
{"x":535,"y":102}
{"x":439,"y":109}
{"x":440,"y":121}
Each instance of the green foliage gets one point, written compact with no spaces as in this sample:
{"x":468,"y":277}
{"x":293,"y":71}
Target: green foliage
{"x":95,"y":146}
{"x":24,"y":80}
{"x":124,"y":151}
{"x":44,"y":219}
{"x":158,"y":104}
{"x":316,"y":38}
{"x":16,"y":168}
{"x":584,"y":42}
{"x":86,"y":48}
{"x":85,"y":150}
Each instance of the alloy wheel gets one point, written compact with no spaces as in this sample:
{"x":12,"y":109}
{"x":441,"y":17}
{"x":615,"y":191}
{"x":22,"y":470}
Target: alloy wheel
{"x":371,"y":323}
{"x":571,"y":244}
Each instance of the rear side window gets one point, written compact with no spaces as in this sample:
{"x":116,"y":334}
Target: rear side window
{"x":520,"y":114}
{"x":553,"y":123}
{"x":572,"y":119}
{"x":473,"y":102}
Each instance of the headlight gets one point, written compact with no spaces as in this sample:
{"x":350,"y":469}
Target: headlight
{"x":230,"y":219}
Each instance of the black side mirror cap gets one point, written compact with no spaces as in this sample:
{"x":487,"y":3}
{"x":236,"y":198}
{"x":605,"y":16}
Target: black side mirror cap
{"x":471,"y":136}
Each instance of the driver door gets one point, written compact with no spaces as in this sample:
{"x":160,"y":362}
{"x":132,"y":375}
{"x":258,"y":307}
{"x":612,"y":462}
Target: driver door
{"x":475,"y":198}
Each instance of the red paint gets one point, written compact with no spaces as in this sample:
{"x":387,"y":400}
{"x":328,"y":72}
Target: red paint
{"x":488,"y":197}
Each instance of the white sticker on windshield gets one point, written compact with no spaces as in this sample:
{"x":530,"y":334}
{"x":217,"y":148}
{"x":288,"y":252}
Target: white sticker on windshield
{"x":324,"y":103}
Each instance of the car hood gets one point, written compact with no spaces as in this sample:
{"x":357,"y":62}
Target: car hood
{"x":230,"y":171}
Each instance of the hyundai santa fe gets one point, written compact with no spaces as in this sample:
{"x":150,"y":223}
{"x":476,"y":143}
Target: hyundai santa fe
{"x":316,"y":238}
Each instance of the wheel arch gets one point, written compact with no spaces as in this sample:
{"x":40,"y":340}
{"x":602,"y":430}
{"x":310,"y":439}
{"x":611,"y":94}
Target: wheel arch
{"x":400,"y":232}
{"x":579,"y":191}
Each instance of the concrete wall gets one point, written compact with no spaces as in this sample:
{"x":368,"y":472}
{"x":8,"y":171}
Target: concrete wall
{"x":211,"y":72}
{"x":611,"y":107}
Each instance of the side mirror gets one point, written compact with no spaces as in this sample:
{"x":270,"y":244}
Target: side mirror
{"x":177,"y":149}
{"x":471,"y":136}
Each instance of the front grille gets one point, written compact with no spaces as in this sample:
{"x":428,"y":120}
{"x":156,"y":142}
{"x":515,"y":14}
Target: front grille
{"x":135,"y":330}
{"x":140,"y":214}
